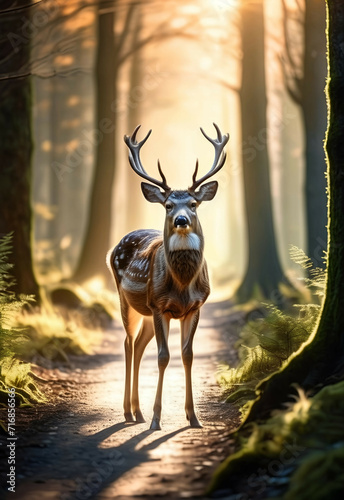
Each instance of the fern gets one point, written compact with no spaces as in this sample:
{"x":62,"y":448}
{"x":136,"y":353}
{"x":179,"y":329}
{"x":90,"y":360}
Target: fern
{"x":265,"y":345}
{"x":13,"y":372}
{"x":316,"y":275}
{"x":271,"y":343}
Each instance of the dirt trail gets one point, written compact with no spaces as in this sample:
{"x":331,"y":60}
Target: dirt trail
{"x":86,"y":450}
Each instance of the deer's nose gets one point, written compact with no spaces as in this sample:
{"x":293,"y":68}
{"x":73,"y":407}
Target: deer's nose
{"x":181,"y":221}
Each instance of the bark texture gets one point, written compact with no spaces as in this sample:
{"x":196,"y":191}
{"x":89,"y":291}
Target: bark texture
{"x":16,"y":147}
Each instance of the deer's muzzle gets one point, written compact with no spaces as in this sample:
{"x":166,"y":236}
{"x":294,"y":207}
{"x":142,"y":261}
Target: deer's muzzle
{"x":181,"y":221}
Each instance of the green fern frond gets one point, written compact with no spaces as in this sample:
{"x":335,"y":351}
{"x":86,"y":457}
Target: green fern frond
{"x":266,"y":344}
{"x":13,"y":372}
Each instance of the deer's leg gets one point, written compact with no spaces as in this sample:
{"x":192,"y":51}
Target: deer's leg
{"x":161,"y":327}
{"x":188,"y":329}
{"x":145,"y":335}
{"x":131,"y":321}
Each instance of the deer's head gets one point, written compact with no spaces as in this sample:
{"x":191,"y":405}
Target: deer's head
{"x":182,"y":227}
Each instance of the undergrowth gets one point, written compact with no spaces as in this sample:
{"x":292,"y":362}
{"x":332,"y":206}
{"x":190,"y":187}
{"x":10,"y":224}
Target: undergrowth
{"x":69,"y":322}
{"x":302,"y":447}
{"x":297,"y":453}
{"x":41,"y":335}
{"x":13,"y":372}
{"x":53,"y":336}
{"x":266,"y":344}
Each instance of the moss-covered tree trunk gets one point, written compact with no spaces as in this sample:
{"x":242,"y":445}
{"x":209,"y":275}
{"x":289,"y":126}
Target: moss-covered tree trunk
{"x":16,"y":145}
{"x":264,"y":272}
{"x":323,"y":356}
{"x":313,"y":107}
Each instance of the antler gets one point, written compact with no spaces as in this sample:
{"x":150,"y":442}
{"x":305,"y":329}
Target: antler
{"x":135,"y":162}
{"x":218,"y":143}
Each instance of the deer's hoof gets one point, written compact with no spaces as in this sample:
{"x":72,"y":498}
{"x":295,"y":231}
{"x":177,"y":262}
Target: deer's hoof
{"x":129,"y":417}
{"x":139,"y":417}
{"x":155,"y":425}
{"x":194,"y":422}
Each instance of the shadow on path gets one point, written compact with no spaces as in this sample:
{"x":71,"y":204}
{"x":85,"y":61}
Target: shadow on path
{"x":76,"y":454}
{"x":88,"y":465}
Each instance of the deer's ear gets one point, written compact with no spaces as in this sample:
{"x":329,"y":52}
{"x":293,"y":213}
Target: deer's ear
{"x":207,"y":191}
{"x":152,"y":193}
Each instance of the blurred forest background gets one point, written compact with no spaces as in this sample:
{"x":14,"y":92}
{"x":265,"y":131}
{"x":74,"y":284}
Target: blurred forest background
{"x":78,"y":75}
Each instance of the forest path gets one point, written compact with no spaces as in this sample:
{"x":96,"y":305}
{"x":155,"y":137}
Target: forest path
{"x":87,"y":451}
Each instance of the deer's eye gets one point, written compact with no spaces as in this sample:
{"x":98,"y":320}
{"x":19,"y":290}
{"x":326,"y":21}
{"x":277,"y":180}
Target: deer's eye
{"x":193,"y":205}
{"x":168,"y":206}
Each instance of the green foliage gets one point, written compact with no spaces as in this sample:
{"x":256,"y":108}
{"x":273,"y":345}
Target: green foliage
{"x":320,"y":476}
{"x":299,"y":451}
{"x":10,"y":304}
{"x":13,"y":373}
{"x":303,"y":442}
{"x":53,"y":333}
{"x":34,"y":334}
{"x":265,"y":345}
{"x":316,"y":276}
{"x":272,"y":341}
{"x":53,"y":336}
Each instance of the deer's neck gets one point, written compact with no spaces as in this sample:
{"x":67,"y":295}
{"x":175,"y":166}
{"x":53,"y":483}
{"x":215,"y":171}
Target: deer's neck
{"x":184,"y":256}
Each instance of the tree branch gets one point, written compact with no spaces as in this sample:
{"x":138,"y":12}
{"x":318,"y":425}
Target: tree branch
{"x":62,"y":74}
{"x":128,"y":18}
{"x":17,"y":9}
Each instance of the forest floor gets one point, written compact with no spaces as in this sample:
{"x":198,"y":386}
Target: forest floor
{"x":78,"y":446}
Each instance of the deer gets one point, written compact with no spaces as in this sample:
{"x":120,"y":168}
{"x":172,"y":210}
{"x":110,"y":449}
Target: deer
{"x":162,"y":276}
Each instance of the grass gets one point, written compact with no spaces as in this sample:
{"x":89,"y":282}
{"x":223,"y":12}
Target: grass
{"x":265,"y":345}
{"x":42,"y":335}
{"x":13,"y":372}
{"x":54,"y":336}
{"x":71,"y":326}
{"x":298,"y":452}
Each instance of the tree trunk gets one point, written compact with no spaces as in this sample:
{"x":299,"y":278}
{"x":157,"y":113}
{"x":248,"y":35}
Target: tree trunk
{"x":323,"y":355}
{"x":264,"y":272}
{"x":133,"y":115}
{"x":96,"y":243}
{"x":314,"y":115}
{"x":16,"y":149}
